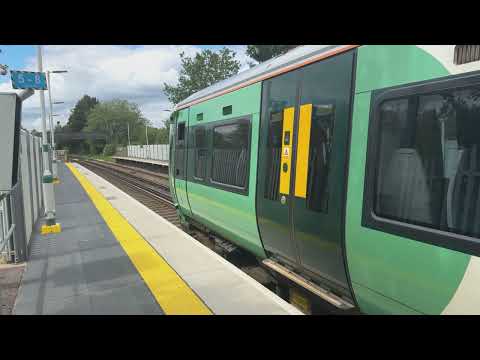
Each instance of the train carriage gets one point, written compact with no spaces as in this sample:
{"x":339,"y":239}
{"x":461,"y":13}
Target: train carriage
{"x":353,"y":171}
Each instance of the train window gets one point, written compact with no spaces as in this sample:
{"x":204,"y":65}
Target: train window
{"x":278,"y":93}
{"x":230,"y":157}
{"x":227,"y":110}
{"x":180,"y":151}
{"x":427,"y":167}
{"x":181,"y":132}
{"x":201,"y":153}
{"x":321,"y":143}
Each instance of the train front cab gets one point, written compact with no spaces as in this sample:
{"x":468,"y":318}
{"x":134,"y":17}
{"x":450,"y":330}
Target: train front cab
{"x":178,"y":163}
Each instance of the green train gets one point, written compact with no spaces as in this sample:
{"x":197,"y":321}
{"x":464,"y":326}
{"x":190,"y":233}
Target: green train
{"x":352,"y":171}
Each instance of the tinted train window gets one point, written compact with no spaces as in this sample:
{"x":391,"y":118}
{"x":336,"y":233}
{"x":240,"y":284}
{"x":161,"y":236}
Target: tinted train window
{"x":428,"y":167}
{"x":201,"y":152}
{"x":181,"y":132}
{"x":278,"y":93}
{"x":231,"y":147}
{"x":180,"y":152}
{"x":321,"y":143}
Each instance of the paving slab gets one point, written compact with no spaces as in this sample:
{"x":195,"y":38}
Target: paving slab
{"x":10,"y":277}
{"x":83,"y":269}
{"x":225,"y":289}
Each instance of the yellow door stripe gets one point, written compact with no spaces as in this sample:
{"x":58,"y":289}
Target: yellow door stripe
{"x":286,"y":158}
{"x":303,"y":150}
{"x":171,"y":292}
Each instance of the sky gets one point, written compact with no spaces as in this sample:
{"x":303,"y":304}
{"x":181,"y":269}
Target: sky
{"x":134,"y":73}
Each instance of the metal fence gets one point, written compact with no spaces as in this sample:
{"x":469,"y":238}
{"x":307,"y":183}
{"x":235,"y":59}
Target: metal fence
{"x":152,"y":152}
{"x":21,"y":207}
{"x":62,"y":155}
{"x":7,"y":227}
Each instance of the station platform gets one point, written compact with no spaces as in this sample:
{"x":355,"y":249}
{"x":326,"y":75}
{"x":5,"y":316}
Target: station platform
{"x":140,"y":160}
{"x":116,"y":256}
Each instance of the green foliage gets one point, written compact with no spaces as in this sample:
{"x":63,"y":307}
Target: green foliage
{"x":114,"y":118}
{"x":78,"y":118}
{"x":95,"y":148}
{"x":202,"y":70}
{"x":263,"y":53}
{"x":109,"y":150}
{"x":161,"y":136}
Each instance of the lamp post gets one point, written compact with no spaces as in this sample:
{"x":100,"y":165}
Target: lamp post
{"x":52,"y":131}
{"x":47,"y":179}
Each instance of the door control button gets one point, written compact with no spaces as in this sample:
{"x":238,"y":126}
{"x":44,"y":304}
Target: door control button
{"x":283,"y":199}
{"x":285,"y":167}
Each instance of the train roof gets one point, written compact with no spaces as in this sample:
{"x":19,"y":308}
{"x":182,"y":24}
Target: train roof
{"x":296,"y":57}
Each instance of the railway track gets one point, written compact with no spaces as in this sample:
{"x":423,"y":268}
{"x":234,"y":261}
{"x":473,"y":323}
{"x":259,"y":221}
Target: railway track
{"x":134,"y":170}
{"x":153,"y":194}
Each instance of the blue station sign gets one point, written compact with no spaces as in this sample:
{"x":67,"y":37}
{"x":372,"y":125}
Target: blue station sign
{"x":28,"y":80}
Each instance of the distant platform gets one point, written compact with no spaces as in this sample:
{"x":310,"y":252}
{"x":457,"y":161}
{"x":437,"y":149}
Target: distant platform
{"x":140,"y":160}
{"x":116,"y":256}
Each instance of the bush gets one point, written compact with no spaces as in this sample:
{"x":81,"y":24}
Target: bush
{"x":109,"y":150}
{"x":94,"y":148}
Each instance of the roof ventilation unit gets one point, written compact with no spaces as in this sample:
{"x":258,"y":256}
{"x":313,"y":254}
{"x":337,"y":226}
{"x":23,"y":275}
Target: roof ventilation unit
{"x":466,"y":54}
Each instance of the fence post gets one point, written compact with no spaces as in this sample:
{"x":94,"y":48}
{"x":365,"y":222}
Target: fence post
{"x":18,"y":218}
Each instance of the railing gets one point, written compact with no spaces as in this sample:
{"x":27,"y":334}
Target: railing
{"x":7,"y":227}
{"x":62,"y":155}
{"x":21,"y":207}
{"x":151,"y":152}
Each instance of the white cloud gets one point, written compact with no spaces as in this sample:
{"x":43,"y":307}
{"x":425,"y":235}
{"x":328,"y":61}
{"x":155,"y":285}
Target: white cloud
{"x":108,"y":72}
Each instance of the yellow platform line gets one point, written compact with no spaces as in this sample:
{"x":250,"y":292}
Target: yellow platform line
{"x":173,"y":295}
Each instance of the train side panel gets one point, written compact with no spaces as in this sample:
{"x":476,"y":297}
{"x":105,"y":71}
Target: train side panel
{"x":392,"y":273}
{"x":224,"y":210}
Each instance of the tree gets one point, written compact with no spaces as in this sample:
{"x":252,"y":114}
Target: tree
{"x":161,"y":136}
{"x":263,"y":53}
{"x":78,"y":118}
{"x":114,"y":117}
{"x":202,"y":70}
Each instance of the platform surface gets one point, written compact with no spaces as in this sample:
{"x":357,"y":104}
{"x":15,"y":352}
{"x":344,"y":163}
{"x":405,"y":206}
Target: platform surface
{"x":83,"y":269}
{"x":116,"y":256}
{"x":224,"y":288}
{"x":146,"y":161}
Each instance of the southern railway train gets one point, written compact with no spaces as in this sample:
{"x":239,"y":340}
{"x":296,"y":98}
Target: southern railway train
{"x":351,"y":171}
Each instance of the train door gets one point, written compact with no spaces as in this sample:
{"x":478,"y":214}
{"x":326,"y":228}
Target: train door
{"x":172,"y":136}
{"x":301,"y":179}
{"x":180,"y":164}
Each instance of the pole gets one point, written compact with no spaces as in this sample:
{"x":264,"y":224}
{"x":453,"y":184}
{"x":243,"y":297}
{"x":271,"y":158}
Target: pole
{"x":146,"y":136}
{"x":52,"y":130}
{"x":128,"y":133}
{"x":25,"y":94}
{"x":47,"y":179}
